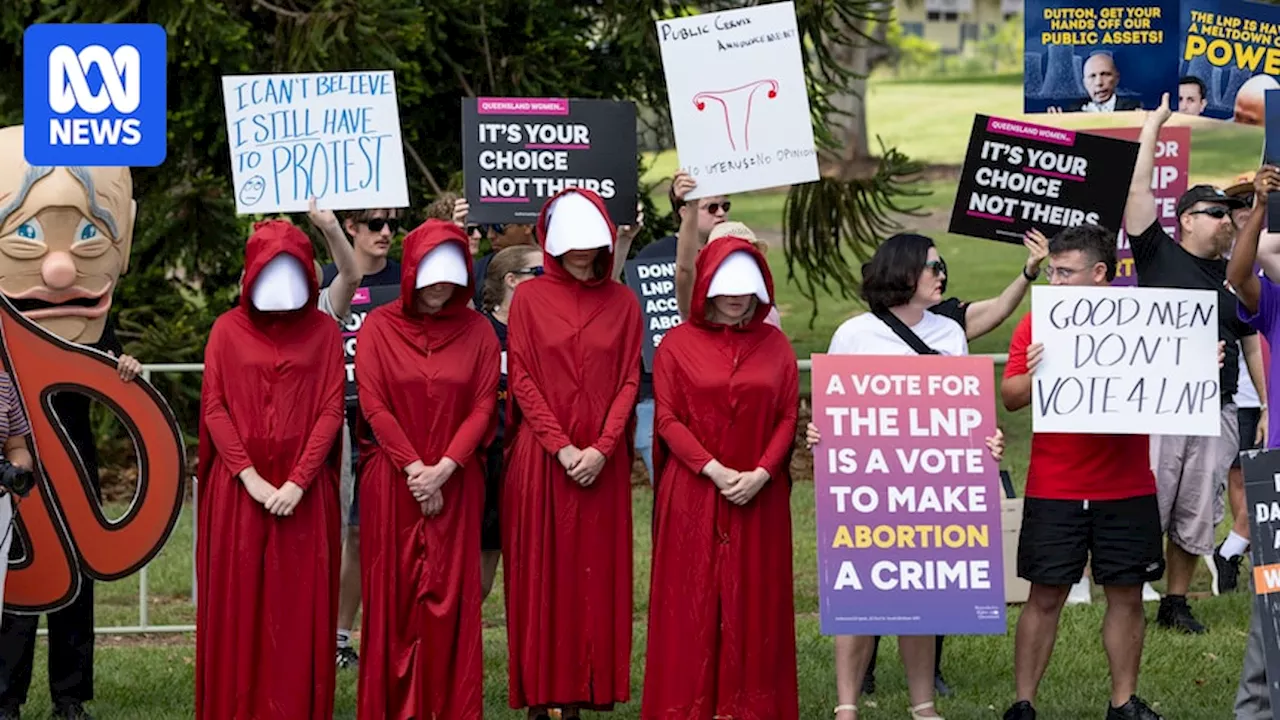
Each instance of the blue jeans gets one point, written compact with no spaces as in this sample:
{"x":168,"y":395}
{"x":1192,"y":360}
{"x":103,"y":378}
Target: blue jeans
{"x":644,"y":434}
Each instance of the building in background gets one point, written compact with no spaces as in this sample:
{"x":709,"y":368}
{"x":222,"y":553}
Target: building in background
{"x":953,"y":24}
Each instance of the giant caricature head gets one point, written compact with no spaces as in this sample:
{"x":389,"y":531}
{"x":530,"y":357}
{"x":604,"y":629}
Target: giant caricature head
{"x":65,"y":236}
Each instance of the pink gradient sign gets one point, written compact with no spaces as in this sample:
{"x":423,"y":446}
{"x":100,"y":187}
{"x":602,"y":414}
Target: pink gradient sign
{"x":907,"y":496}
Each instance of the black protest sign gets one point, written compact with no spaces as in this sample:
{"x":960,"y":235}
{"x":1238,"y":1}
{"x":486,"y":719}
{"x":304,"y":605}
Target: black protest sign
{"x":1271,"y":154}
{"x":365,"y":300}
{"x":1262,"y":498}
{"x":1018,"y":176}
{"x":654,"y":282}
{"x":519,"y":152}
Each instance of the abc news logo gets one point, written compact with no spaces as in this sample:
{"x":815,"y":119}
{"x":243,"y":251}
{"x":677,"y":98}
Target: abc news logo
{"x":121,"y":90}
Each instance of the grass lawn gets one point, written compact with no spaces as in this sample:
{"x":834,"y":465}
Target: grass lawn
{"x":1189,"y":678}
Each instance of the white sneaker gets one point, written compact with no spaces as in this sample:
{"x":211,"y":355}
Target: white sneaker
{"x":1080,"y":593}
{"x":1149,"y":593}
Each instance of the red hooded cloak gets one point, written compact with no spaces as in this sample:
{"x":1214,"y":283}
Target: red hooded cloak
{"x":428,"y":386}
{"x":573,"y":353}
{"x":721,"y":639}
{"x":271,"y":400}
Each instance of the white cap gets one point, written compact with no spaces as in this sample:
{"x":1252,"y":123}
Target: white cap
{"x":738,"y":275}
{"x":575,"y":223}
{"x":281,"y":286}
{"x":444,"y":264}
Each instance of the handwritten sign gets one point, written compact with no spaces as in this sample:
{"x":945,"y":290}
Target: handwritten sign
{"x":365,"y":301}
{"x":908,"y":496}
{"x":1126,"y":361}
{"x":654,"y":283}
{"x":1262,"y":494}
{"x":334,"y":136}
{"x":1018,"y":176}
{"x":517,"y":153}
{"x":1168,"y":182}
{"x":739,"y":104}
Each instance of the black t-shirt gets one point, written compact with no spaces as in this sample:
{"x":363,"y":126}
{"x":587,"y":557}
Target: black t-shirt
{"x":500,"y":329}
{"x":388,"y":275}
{"x":1162,"y":263}
{"x":480,"y":269}
{"x":953,"y":308}
{"x":664,"y":248}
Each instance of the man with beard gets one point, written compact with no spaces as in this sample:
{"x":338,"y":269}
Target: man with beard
{"x":1191,"y":472}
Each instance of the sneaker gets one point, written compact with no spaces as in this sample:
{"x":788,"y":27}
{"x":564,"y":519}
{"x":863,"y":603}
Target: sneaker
{"x":72,"y":710}
{"x":347,"y":658}
{"x":1226,"y":575}
{"x":1021,"y":710}
{"x":1135,"y":709}
{"x":1081,"y":593}
{"x":1175,"y":614}
{"x":869,"y":684}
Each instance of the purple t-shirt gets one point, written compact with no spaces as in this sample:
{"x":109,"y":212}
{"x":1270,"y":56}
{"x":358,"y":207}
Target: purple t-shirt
{"x":1267,"y":322}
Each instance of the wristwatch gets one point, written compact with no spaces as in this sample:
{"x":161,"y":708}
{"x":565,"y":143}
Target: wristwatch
{"x":1031,"y":277}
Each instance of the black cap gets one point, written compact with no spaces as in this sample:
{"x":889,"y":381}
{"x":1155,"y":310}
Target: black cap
{"x":1207,"y":193}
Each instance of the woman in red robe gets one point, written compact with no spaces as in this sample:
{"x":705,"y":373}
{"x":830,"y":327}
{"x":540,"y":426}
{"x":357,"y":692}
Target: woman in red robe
{"x":427,"y":374}
{"x":573,"y":351}
{"x":722,"y":640}
{"x":267,"y":559}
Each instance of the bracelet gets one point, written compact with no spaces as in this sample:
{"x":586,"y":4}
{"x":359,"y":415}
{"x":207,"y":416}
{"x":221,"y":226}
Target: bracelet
{"x":1030,"y":277}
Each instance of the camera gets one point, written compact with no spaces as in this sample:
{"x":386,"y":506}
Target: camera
{"x":16,"y":480}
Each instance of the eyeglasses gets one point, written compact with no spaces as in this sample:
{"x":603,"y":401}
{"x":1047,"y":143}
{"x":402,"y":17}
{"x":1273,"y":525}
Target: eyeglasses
{"x":938,"y":267}
{"x":1061,"y":272}
{"x":376,"y":224}
{"x":534,"y":271}
{"x":713,"y":208}
{"x":495,"y":228}
{"x":1217,"y":212}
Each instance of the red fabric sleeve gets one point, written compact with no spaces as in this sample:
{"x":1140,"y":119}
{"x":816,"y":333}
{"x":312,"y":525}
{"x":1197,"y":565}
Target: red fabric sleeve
{"x":213,"y":399}
{"x":325,"y":429}
{"x":624,"y":402}
{"x":373,"y":389}
{"x":521,"y":351}
{"x":777,"y":454}
{"x":482,"y":419}
{"x":1017,"y":364}
{"x":669,"y":409}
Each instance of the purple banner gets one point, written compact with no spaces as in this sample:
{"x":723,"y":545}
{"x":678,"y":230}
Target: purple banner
{"x":908,"y":496}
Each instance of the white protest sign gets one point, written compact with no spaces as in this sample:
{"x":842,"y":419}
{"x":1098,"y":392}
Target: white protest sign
{"x":335,"y":136}
{"x":739,"y":105}
{"x":1126,"y":361}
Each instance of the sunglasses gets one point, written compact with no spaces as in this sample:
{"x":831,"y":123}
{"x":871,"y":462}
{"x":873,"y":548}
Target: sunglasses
{"x":376,"y":224}
{"x":713,"y":208}
{"x":938,"y":267}
{"x":534,"y":271}
{"x":1247,"y":199}
{"x":496,"y":228}
{"x":1216,"y":212}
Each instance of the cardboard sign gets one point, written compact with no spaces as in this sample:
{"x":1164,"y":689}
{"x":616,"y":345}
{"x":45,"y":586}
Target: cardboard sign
{"x":519,"y":152}
{"x":739,"y":103}
{"x":1262,"y":497}
{"x":654,"y":283}
{"x":908,"y":496}
{"x":334,"y":136}
{"x":1019,"y":176}
{"x":1168,"y":183}
{"x":1126,"y":361}
{"x":365,"y":301}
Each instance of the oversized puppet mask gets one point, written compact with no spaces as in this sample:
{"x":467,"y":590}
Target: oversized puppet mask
{"x":65,"y":237}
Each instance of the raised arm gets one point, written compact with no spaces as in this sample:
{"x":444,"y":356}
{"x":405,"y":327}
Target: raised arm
{"x":1140,"y":210}
{"x":687,"y":243}
{"x":374,"y":389}
{"x":626,"y":236}
{"x":479,"y":423}
{"x":343,"y":287}
{"x":1247,"y":286}
{"x":522,"y":351}
{"x":984,"y":316}
{"x":624,"y":401}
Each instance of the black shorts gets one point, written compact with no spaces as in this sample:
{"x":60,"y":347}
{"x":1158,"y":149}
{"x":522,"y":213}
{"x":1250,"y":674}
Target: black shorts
{"x":490,"y":530}
{"x":353,"y":513}
{"x":1248,"y":419}
{"x":1123,"y":536}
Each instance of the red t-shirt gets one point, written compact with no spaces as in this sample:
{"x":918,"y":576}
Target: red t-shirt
{"x":1071,"y":466}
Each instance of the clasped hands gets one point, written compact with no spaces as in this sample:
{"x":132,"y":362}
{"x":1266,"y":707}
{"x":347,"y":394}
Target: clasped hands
{"x":425,"y":482}
{"x":278,"y":501}
{"x":583,"y":466}
{"x":737,"y":487}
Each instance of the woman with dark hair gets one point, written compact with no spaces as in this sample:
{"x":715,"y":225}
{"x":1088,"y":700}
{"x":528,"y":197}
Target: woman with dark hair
{"x":903,"y":279}
{"x":575,"y":338}
{"x":721,"y":613}
{"x":507,"y":269}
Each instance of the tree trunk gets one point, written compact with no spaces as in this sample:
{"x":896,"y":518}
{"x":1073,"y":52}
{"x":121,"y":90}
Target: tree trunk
{"x":854,"y":159}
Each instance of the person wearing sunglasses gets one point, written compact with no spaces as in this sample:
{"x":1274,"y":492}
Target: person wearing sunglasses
{"x":501,"y":236}
{"x":508,"y":268}
{"x":1190,"y":471}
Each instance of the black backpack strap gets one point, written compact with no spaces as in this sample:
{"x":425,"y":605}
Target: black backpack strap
{"x":902,"y":331}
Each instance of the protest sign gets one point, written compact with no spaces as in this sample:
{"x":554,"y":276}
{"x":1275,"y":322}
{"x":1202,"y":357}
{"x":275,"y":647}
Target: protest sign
{"x":1098,"y":55}
{"x":908,"y":496}
{"x":1018,"y":176}
{"x":1126,"y":361}
{"x":1168,"y":182}
{"x":739,"y":103}
{"x":519,"y":152}
{"x":654,"y":283}
{"x":1271,"y":155}
{"x":365,"y":301}
{"x":334,"y":136}
{"x":1233,"y":48}
{"x":1262,"y":495}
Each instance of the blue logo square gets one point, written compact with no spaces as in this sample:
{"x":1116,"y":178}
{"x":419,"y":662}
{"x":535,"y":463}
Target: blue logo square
{"x":94,"y":95}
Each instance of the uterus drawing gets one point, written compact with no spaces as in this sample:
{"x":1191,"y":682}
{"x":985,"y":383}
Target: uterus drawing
{"x":736,"y":105}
